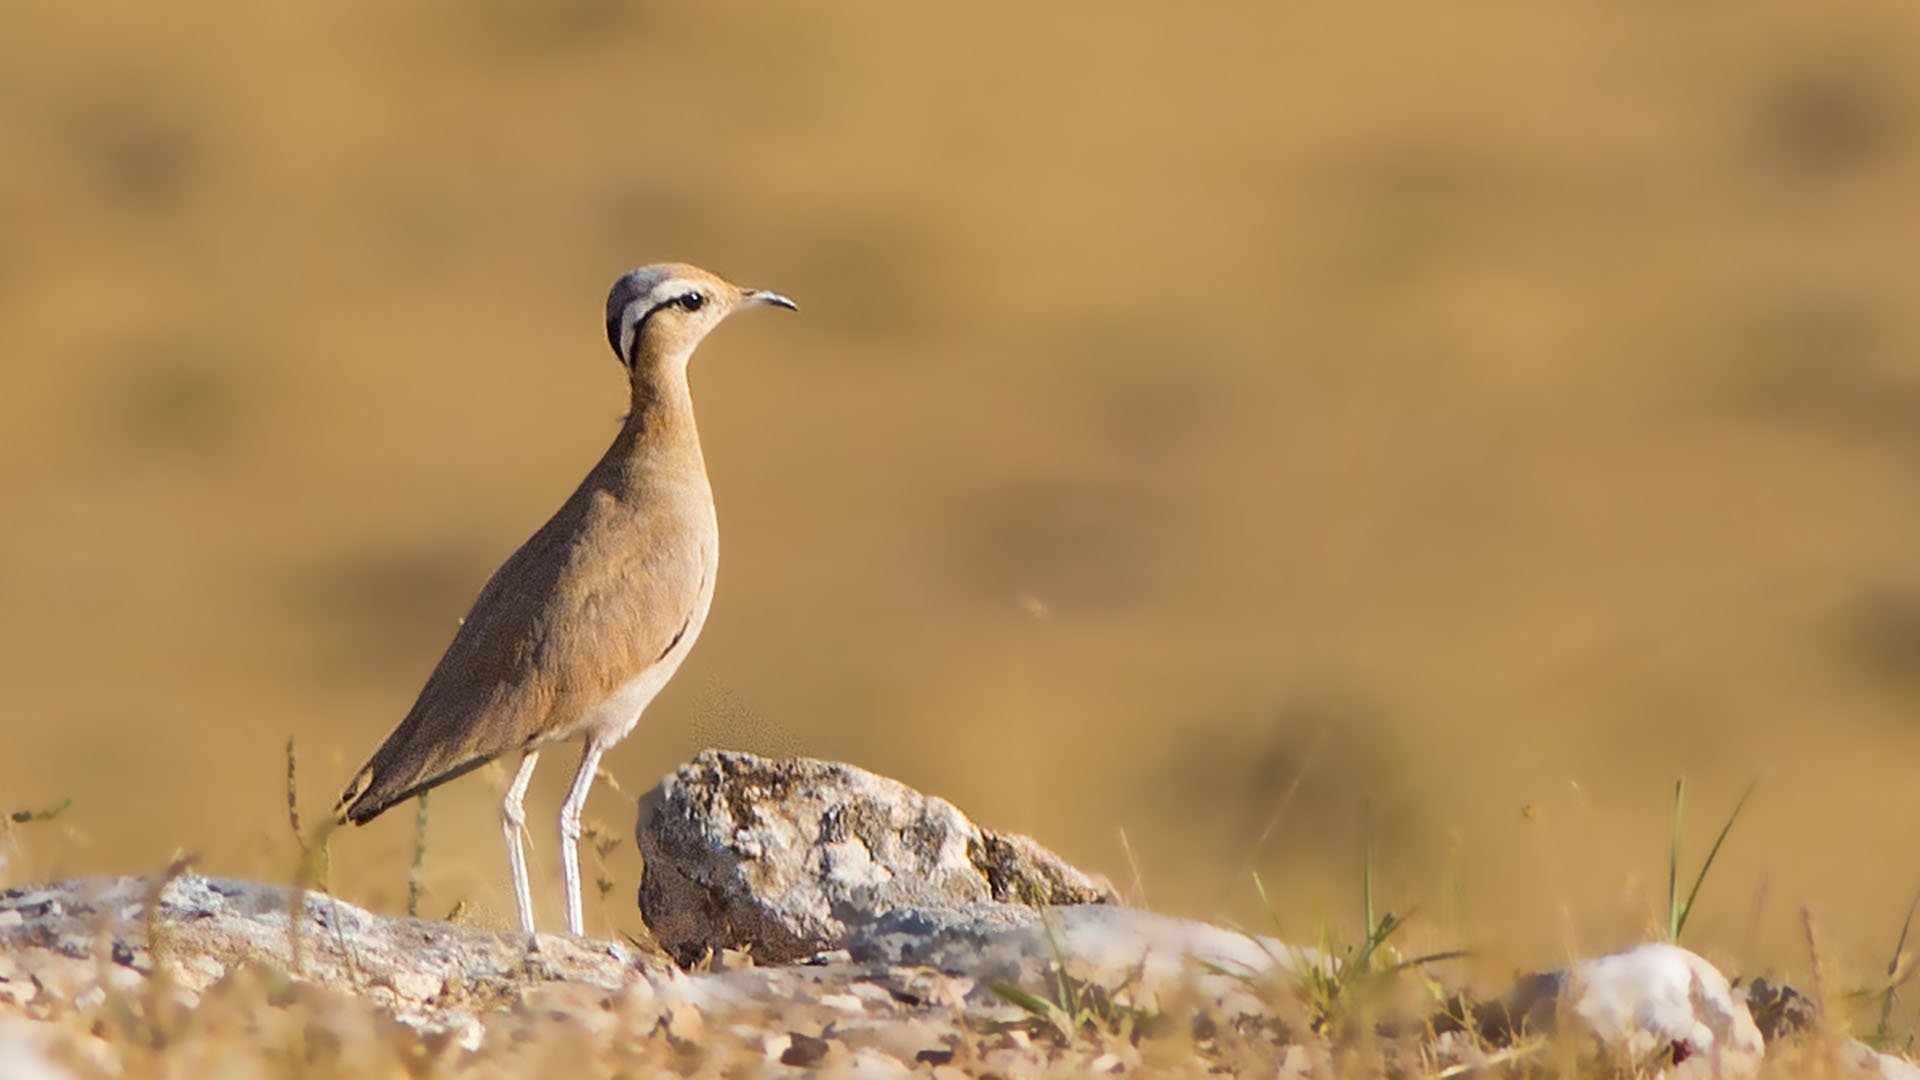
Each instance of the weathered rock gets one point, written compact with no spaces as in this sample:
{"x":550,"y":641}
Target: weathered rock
{"x":916,"y":989}
{"x":1107,"y":946}
{"x":950,"y":939}
{"x":1784,"y":1015}
{"x":1656,"y":1008}
{"x":1778,"y":1011}
{"x":436,"y":975}
{"x":921,"y":952}
{"x":990,"y":940}
{"x":786,"y":857}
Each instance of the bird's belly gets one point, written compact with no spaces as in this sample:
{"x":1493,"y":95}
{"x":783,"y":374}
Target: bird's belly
{"x":614,"y":718}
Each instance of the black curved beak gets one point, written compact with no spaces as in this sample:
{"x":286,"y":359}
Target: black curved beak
{"x":763,"y":296}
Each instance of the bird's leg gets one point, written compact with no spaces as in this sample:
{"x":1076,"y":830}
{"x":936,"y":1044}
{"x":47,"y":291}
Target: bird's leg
{"x":513,"y":821}
{"x":570,"y":829}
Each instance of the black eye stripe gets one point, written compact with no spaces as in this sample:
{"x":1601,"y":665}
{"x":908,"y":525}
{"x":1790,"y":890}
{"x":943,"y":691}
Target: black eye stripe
{"x":692,"y":301}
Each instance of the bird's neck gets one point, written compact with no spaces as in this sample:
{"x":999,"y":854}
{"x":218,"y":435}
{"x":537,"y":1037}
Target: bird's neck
{"x":659,"y":432}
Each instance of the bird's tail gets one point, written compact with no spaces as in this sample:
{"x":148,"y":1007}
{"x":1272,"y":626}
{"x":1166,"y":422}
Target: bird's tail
{"x":391,"y":778}
{"x":349,"y":808}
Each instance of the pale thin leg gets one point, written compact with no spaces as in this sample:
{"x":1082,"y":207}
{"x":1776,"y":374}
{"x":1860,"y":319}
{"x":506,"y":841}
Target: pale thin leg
{"x":570,"y":829}
{"x":513,"y":821}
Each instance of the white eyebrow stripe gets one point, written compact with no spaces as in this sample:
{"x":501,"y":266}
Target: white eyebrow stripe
{"x":663,"y":293}
{"x":673,"y":290}
{"x":629,"y":323}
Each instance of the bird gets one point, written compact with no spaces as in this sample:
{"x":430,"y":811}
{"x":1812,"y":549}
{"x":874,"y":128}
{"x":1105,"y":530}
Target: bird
{"x":574,"y":635}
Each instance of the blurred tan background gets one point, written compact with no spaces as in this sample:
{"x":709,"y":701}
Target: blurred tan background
{"x":1482,"y":413}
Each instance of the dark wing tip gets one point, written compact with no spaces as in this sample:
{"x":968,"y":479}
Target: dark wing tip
{"x":354,"y":805}
{"x":365,"y":800}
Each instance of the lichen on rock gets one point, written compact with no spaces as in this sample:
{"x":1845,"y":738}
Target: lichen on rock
{"x":786,"y":857}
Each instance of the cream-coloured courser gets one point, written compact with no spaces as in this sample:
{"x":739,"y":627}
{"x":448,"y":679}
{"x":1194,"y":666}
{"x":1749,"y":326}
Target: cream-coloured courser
{"x":581,"y":627}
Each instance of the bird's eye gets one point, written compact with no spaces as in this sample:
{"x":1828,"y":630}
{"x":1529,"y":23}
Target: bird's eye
{"x":693,"y":301}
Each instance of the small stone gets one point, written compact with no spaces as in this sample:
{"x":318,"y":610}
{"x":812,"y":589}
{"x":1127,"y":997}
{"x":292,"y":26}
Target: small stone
{"x":1884,"y":1066}
{"x":25,"y":1052}
{"x":804,"y":1051}
{"x":869,"y":994}
{"x":867,"y":1065}
{"x":685,"y":1023}
{"x":732,"y":960}
{"x":772,"y":1046}
{"x":1777,"y":1010}
{"x":753,"y":1036}
{"x":1660,"y":1003}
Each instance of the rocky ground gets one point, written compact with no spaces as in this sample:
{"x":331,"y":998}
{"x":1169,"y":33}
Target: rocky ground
{"x":814,"y":917}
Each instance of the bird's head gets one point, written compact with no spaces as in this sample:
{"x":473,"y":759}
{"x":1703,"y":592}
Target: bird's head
{"x":660,"y":312}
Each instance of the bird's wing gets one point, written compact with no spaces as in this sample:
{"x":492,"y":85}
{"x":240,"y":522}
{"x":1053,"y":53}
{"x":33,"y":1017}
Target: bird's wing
{"x":596,"y":597}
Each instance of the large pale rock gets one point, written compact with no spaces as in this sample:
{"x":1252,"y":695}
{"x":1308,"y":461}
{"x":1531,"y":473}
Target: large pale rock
{"x":787,"y":856}
{"x":1104,"y":942}
{"x":55,"y":937}
{"x":1138,"y":954}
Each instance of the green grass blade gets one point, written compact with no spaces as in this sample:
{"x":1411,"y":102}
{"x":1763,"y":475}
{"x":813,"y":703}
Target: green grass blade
{"x":1430,"y":958}
{"x":1070,"y":1003}
{"x":1266,"y":904}
{"x":1686,"y":909}
{"x":1674,"y":916}
{"x":1881,"y":1031}
{"x":1366,"y":865}
{"x":1013,"y":995}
